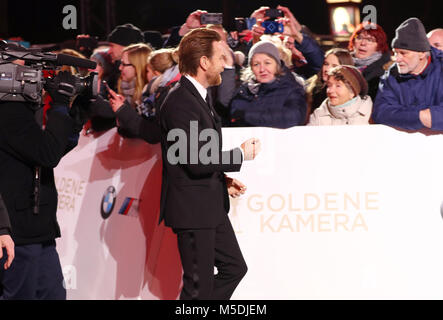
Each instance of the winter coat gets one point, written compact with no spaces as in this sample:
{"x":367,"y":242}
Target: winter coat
{"x":374,"y":71}
{"x":401,"y":97}
{"x":356,"y":113}
{"x":278,"y":104}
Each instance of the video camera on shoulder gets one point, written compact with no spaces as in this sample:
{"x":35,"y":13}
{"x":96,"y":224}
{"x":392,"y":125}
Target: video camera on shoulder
{"x":25,"y":82}
{"x":271,"y":26}
{"x":211,"y":18}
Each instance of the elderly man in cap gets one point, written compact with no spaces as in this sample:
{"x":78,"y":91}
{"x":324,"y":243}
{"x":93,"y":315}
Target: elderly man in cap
{"x":410,"y":94}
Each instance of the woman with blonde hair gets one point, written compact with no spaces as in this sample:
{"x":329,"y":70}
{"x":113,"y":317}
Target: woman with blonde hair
{"x":133,"y":77}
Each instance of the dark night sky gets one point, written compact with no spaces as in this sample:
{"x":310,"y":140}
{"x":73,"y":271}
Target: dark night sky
{"x":41,"y":21}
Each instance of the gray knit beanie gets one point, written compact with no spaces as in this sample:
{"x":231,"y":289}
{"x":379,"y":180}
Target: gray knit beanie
{"x":264,"y":47}
{"x":411,"y":35}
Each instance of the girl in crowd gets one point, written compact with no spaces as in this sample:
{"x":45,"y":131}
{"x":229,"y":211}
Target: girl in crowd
{"x":347,"y":101}
{"x":270,"y":96}
{"x":133,"y":75}
{"x":162,"y":72}
{"x":370,"y":51}
{"x":133,"y":78}
{"x":316,"y":85}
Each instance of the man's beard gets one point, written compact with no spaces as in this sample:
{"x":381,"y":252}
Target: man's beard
{"x":214,"y":79}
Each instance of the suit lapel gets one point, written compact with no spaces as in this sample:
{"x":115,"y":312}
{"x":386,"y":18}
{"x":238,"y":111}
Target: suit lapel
{"x":188,"y":84}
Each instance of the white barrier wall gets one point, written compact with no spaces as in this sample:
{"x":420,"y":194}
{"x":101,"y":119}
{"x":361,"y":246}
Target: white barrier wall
{"x":348,"y":212}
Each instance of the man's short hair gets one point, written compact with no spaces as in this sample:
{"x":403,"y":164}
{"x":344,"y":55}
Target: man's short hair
{"x":194,"y":45}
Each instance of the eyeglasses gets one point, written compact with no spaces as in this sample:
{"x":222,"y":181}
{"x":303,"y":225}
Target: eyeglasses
{"x":368,"y":39}
{"x":126,"y":64}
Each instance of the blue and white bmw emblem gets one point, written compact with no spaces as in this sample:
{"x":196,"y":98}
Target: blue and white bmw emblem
{"x":108,"y":202}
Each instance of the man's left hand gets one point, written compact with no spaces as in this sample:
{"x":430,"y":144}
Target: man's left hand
{"x":235,"y":187}
{"x":425,"y":117}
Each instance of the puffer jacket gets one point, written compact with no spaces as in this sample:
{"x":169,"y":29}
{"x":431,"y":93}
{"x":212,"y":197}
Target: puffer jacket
{"x":278,"y":104}
{"x":357,"y":113}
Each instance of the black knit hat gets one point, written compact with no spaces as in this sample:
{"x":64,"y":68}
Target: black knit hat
{"x":154,"y":38}
{"x":411,"y":35}
{"x":125,"y":35}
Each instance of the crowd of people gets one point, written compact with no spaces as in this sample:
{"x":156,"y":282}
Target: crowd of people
{"x":278,"y":80}
{"x":272,"y":80}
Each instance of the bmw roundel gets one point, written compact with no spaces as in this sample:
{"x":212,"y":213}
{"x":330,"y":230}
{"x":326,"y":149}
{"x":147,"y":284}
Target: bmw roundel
{"x":108,"y":202}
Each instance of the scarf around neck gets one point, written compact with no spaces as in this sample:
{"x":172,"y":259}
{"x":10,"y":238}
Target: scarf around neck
{"x":254,"y":86}
{"x":128,"y":89}
{"x":364,"y":62}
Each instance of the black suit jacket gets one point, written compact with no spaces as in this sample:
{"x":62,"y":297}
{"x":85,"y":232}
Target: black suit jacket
{"x":23,"y":146}
{"x":194,"y":193}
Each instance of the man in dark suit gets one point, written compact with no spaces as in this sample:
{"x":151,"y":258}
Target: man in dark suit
{"x":194,"y":198}
{"x":28,"y":155}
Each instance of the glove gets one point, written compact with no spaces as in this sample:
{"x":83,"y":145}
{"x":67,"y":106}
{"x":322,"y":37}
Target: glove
{"x":61,"y":88}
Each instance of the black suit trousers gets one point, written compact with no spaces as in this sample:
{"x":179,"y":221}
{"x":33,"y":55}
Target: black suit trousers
{"x":201,"y":250}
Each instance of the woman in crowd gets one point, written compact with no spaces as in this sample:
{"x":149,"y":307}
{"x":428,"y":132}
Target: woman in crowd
{"x":270,"y":96}
{"x":133,"y":78}
{"x":133,"y":75}
{"x":162,"y":70}
{"x":347,"y":101}
{"x":370,"y":51}
{"x":316,"y":85}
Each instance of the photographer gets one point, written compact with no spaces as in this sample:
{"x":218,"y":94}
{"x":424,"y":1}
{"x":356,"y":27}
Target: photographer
{"x":28,"y":155}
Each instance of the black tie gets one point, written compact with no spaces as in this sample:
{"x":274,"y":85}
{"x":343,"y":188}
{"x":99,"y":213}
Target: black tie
{"x":209,"y":102}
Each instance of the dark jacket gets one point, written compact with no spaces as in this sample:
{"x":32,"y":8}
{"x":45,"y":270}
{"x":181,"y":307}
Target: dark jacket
{"x":138,"y":126}
{"x":401,"y":97}
{"x":174,"y":38}
{"x":5,"y":225}
{"x":373,"y":72}
{"x":193,"y":194}
{"x":23,"y":147}
{"x":279,"y":104}
{"x":314,"y":57}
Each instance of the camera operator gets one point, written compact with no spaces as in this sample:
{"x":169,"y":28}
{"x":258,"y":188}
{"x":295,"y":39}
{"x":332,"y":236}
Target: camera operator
{"x":28,"y":155}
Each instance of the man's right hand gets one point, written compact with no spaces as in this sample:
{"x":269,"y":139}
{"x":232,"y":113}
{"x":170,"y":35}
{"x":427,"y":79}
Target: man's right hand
{"x":192,"y":22}
{"x":251,"y":148}
{"x":7,"y":243}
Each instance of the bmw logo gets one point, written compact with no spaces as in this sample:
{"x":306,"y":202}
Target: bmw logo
{"x":108,"y":202}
